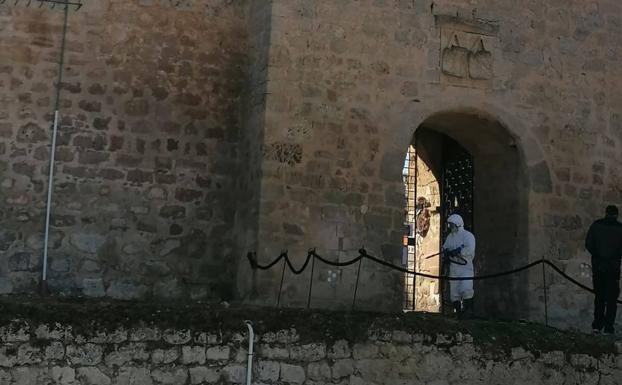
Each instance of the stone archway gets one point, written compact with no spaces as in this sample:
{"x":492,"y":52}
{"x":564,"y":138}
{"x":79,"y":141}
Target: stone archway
{"x":499,"y":205}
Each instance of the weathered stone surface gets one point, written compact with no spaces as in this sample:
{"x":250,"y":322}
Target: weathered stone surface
{"x":268,"y":370}
{"x":134,"y":375}
{"x":202,"y":374}
{"x":218,"y":353}
{"x":63,"y":375}
{"x":126,"y":290}
{"x":26,"y":375}
{"x":343,"y":368}
{"x":173,"y":212}
{"x":292,"y":373}
{"x":88,"y":243}
{"x":360,"y":351}
{"x":193,"y":355}
{"x":234,"y":373}
{"x":6,"y":239}
{"x":93,"y":287}
{"x":170,"y":376}
{"x":309,"y":352}
{"x":273,"y":353}
{"x":5,"y":376}
{"x":93,"y":376}
{"x":165,"y":356}
{"x":177,"y":337}
{"x":122,"y":355}
{"x":145,"y":334}
{"x":28,"y":354}
{"x":319,"y":371}
{"x":15,"y":332}
{"x":24,"y":262}
{"x":86,"y":354}
{"x":6,"y":286}
{"x":55,"y":351}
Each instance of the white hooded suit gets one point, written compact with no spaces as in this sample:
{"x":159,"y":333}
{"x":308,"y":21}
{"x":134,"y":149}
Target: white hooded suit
{"x":461,"y":290}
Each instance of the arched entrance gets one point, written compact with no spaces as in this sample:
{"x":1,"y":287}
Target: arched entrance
{"x":470,"y":164}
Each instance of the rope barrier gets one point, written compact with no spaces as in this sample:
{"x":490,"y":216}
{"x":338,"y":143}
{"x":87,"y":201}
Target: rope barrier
{"x":252,"y":257}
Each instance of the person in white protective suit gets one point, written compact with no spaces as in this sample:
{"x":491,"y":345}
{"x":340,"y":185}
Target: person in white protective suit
{"x":459,"y":251}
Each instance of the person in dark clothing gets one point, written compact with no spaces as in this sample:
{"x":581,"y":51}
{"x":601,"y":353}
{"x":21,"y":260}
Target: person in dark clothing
{"x":604,"y":243}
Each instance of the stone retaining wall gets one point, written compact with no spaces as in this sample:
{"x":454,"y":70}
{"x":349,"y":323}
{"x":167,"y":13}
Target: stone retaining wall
{"x":33,"y":353}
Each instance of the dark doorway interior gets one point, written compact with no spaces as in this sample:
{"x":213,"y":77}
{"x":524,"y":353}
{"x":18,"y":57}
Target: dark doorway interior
{"x":478,"y":169}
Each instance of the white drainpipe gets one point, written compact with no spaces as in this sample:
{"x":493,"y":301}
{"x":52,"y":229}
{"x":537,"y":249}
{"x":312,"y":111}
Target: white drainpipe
{"x":49,"y":204}
{"x":249,"y":365}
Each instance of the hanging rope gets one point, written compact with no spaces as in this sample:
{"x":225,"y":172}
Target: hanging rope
{"x":52,"y":3}
{"x":252,"y":257}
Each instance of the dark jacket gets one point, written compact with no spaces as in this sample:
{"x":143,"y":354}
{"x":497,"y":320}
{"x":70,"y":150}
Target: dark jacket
{"x":604,"y":242}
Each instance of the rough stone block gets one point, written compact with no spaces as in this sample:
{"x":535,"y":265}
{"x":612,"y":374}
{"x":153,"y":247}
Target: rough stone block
{"x":55,"y":351}
{"x":208,"y":338}
{"x":583,"y":361}
{"x":202,"y":374}
{"x":133,"y":352}
{"x":27,"y":375}
{"x":292,"y":373}
{"x":177,"y":337}
{"x":402,"y":336}
{"x":173,"y":212}
{"x":5,"y":377}
{"x":24,"y":261}
{"x":8,"y":355}
{"x":273,"y":353}
{"x":165,"y":356}
{"x":63,"y":375}
{"x":287,"y":336}
{"x":218,"y":353}
{"x":88,"y":243}
{"x":6,"y":286}
{"x":93,"y":287}
{"x":268,"y":370}
{"x":193,"y":355}
{"x":170,"y":376}
{"x":309,"y":352}
{"x":28,"y":354}
{"x":234,"y":373}
{"x":343,"y":368}
{"x":319,"y":371}
{"x":145,"y":334}
{"x":15,"y":332}
{"x":126,"y":290}
{"x":134,"y":376}
{"x":366,"y":350}
{"x":87,"y":354}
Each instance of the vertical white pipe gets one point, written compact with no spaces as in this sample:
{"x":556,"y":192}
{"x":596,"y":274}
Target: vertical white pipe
{"x":49,"y":202}
{"x":249,"y":364}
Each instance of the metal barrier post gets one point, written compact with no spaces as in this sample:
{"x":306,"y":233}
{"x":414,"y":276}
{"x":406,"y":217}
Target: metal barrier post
{"x":356,"y":285}
{"x":546,"y":309}
{"x":278,"y":301}
{"x":311,"y":280}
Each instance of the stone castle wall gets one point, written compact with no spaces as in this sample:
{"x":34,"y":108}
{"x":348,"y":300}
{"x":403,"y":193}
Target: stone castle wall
{"x":189,"y":134}
{"x":150,"y":122}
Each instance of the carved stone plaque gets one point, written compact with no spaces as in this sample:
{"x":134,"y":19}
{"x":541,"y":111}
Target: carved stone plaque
{"x":469,"y":52}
